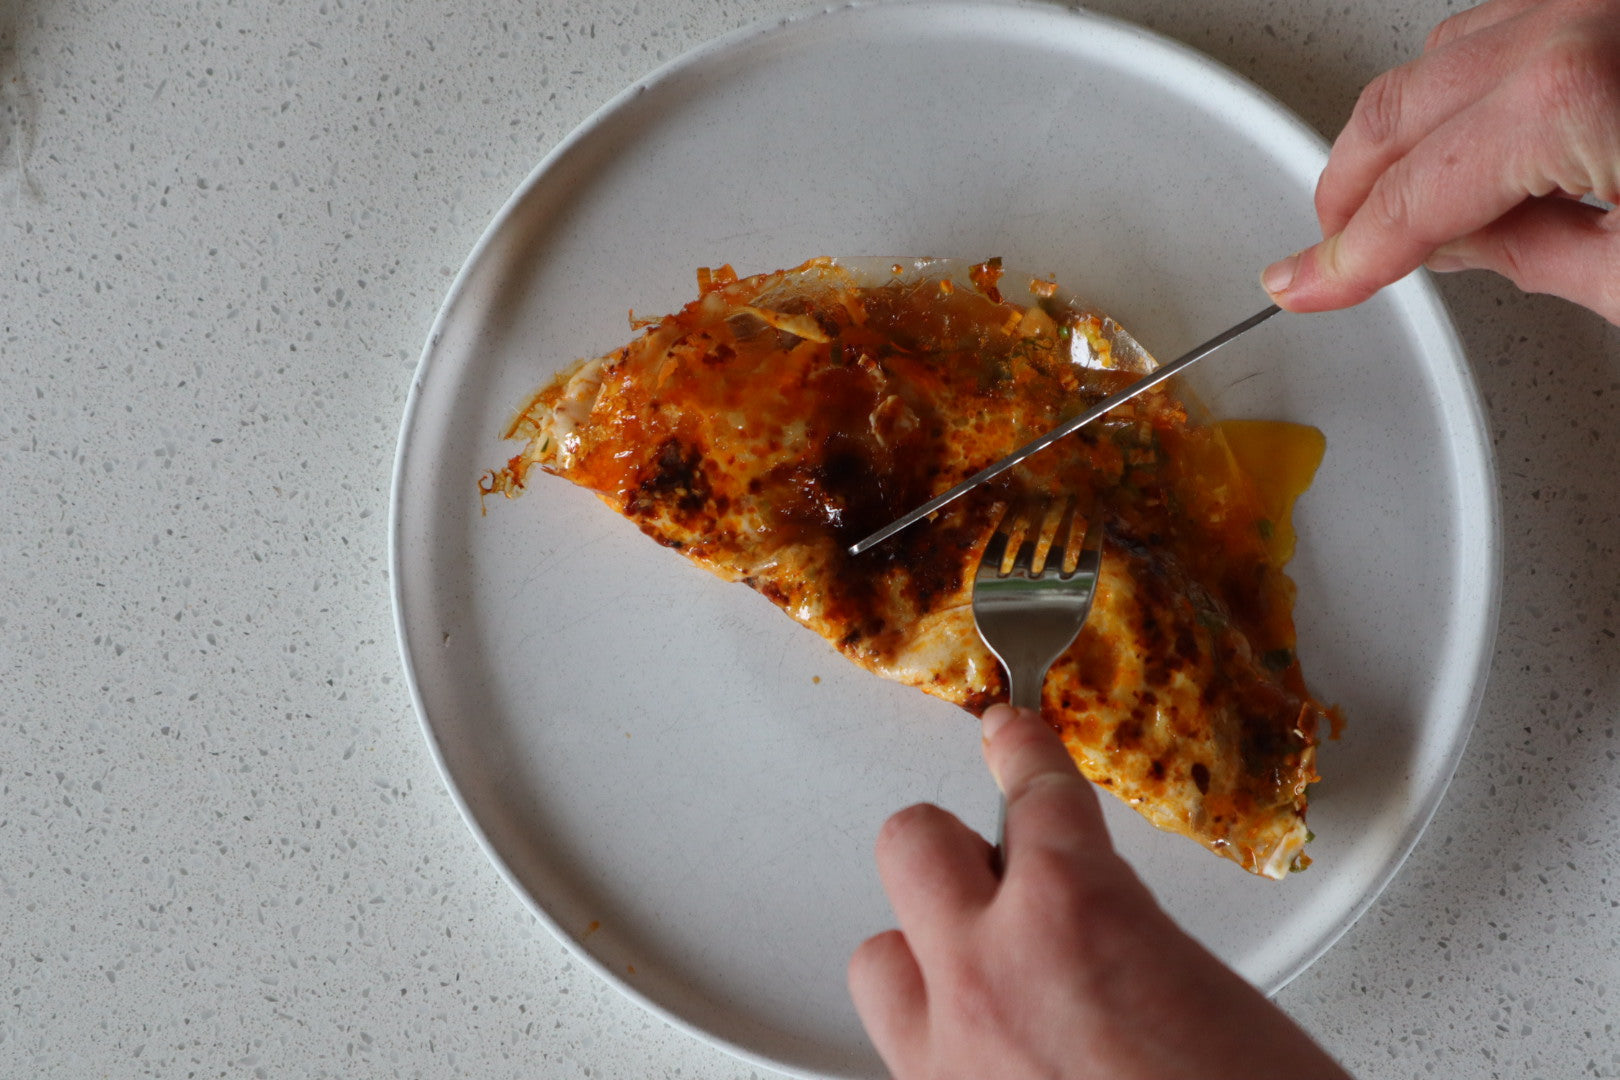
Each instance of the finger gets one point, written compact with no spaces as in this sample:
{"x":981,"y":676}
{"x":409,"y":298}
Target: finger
{"x":1476,"y":19}
{"x":937,"y":873}
{"x":887,"y":988}
{"x":1554,"y":246}
{"x":1049,"y":803}
{"x":1402,"y":106}
{"x":1449,"y":185}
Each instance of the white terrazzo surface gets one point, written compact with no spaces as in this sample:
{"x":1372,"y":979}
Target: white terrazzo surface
{"x":224,"y":851}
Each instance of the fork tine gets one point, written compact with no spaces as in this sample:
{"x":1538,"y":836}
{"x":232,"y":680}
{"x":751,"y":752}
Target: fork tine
{"x":1085,"y":548}
{"x":1073,"y":538}
{"x":1033,"y":540}
{"x":1053,"y":518}
{"x":1016,"y":530}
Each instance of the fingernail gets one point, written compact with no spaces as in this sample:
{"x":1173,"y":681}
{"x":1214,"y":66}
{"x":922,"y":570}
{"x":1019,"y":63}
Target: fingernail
{"x":995,"y":718}
{"x":1444,"y":264}
{"x":1279,"y":275}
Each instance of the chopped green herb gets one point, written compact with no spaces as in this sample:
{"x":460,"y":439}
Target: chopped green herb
{"x":1265,"y":529}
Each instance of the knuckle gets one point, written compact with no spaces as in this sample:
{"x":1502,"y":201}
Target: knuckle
{"x":972,"y":994}
{"x":1389,"y":206}
{"x":1054,"y":873}
{"x":863,"y":959}
{"x":1048,"y":783}
{"x":1574,"y":87}
{"x":907,"y":823}
{"x":1098,"y":891}
{"x":1576,"y":80}
{"x":1564,"y":74}
{"x":1392,"y":218}
{"x":871,"y":953}
{"x":1377,"y":115}
{"x":1447,"y":31}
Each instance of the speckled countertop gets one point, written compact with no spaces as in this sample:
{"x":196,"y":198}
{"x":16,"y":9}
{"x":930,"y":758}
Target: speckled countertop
{"x":224,"y":850}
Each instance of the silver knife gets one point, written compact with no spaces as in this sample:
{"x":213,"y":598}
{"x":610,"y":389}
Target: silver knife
{"x":1068,"y":427}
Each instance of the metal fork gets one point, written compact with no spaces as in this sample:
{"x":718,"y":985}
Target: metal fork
{"x":1031,"y":594}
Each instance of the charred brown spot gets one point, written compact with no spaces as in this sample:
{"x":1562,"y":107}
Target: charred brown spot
{"x":1128,"y":734}
{"x":935,"y":569}
{"x":1096,"y":661}
{"x":1200,"y":777}
{"x":675,"y":478}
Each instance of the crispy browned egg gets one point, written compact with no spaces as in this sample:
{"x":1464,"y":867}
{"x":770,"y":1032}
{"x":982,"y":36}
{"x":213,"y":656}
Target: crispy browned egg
{"x":776,"y":419}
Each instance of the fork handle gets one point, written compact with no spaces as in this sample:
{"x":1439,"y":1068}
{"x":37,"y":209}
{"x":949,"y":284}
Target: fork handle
{"x":1024,"y":693}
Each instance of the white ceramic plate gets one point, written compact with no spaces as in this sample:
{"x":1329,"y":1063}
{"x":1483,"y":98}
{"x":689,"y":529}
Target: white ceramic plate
{"x":683,"y":784}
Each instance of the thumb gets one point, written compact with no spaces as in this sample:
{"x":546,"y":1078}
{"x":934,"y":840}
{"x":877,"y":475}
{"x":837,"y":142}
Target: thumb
{"x":1557,"y":246}
{"x":1049,"y":804}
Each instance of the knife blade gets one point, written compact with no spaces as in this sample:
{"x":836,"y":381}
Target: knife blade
{"x":1068,"y":427}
